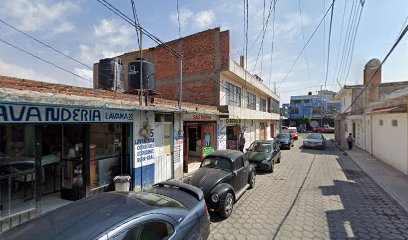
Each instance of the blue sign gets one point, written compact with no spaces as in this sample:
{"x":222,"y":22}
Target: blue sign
{"x":10,"y":113}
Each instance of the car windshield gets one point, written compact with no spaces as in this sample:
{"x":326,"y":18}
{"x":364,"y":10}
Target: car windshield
{"x":292,"y":130}
{"x":260,"y":147}
{"x":283,"y":136}
{"x":217,"y":162}
{"x":314,"y":136}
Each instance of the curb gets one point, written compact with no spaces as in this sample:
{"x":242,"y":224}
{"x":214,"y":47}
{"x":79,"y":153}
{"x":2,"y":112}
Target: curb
{"x":388,"y":191}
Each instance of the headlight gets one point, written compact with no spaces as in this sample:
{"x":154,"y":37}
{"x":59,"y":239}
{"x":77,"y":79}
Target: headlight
{"x":214,"y":197}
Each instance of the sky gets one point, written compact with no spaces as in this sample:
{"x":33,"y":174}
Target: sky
{"x":87,"y":31}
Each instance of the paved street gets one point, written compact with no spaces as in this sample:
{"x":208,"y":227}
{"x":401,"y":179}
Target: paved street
{"x":314,"y":194}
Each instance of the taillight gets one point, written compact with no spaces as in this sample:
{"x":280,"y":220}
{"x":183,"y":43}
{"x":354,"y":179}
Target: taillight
{"x":206,"y":210}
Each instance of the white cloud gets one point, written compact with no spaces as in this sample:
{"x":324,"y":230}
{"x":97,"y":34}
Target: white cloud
{"x":13,"y":70}
{"x":38,"y":15}
{"x":201,"y":19}
{"x":64,"y":27}
{"x":110,"y":38}
{"x":85,"y":73}
{"x":185,"y":15}
{"x":204,"y":18}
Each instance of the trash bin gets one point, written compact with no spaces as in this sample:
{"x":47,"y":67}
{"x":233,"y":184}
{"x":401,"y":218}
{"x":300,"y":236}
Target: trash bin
{"x":122,"y":183}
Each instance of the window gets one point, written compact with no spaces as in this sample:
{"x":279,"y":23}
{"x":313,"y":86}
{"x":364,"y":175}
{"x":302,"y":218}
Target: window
{"x":317,"y":111}
{"x":294,"y":110}
{"x":238,"y":164}
{"x":17,"y":169}
{"x":251,"y":101}
{"x":394,"y":123}
{"x":217,"y":162}
{"x":233,"y":95}
{"x":157,"y":230}
{"x":275,"y":106}
{"x":306,"y":101}
{"x":105,"y":153}
{"x":262,"y":105}
{"x":381,"y":122}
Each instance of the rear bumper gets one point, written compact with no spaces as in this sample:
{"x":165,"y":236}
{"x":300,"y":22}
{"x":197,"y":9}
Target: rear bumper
{"x":308,"y":145}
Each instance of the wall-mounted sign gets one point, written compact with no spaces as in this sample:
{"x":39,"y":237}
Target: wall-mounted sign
{"x":10,"y":113}
{"x":198,"y":117}
{"x":229,"y":121}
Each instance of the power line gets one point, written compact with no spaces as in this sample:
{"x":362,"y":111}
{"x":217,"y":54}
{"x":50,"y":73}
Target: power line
{"x":47,"y":45}
{"x":328,"y":47}
{"x":304,"y":47}
{"x":303,"y":37}
{"x":272,"y":44}
{"x":341,"y":37}
{"x":353,"y":42}
{"x":136,"y":19}
{"x":42,"y":59}
{"x":400,"y":37}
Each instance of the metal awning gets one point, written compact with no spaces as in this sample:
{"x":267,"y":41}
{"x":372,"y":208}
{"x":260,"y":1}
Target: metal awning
{"x":382,"y":110}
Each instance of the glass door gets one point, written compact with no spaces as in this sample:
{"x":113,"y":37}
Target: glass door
{"x":208,"y":142}
{"x":72,"y":161}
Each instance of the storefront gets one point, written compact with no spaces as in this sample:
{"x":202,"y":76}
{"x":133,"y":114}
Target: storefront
{"x":200,"y":138}
{"x":233,"y":132}
{"x":51,"y":155}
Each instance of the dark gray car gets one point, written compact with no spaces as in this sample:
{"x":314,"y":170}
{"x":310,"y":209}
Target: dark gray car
{"x":314,"y":140}
{"x":170,"y":210}
{"x":285,"y":140}
{"x":264,"y":154}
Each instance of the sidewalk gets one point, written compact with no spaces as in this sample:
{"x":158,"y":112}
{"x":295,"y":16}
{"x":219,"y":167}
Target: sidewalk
{"x":394,"y":182}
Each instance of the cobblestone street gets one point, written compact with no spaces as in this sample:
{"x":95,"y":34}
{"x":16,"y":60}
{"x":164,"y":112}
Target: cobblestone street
{"x":314,"y":194}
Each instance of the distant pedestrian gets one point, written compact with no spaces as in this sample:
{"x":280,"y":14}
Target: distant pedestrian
{"x":350,"y":140}
{"x":242,"y":142}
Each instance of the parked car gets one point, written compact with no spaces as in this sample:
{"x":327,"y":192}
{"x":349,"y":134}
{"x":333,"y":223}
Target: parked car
{"x":293,"y":132}
{"x":314,"y":140}
{"x":324,"y":129}
{"x":285,"y":140}
{"x":224,"y":176}
{"x":169,"y":210}
{"x":264,"y":154}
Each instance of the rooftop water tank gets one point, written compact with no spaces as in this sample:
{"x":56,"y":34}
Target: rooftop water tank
{"x":148,"y":76}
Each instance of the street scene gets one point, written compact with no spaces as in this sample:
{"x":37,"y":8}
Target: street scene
{"x":314,"y":194}
{"x":177,"y":119}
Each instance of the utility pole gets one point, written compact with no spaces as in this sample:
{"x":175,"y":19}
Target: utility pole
{"x":321,"y":105}
{"x":181,"y":77}
{"x":141,"y":70}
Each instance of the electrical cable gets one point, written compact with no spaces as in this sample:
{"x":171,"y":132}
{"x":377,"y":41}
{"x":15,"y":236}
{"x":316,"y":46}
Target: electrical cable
{"x":328,"y":47}
{"x":341,"y":37}
{"x":272,"y":45}
{"x":310,"y":38}
{"x":303,"y":37}
{"x":400,"y":37}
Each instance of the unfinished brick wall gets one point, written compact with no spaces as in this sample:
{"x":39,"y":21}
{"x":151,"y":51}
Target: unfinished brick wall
{"x":205,"y":54}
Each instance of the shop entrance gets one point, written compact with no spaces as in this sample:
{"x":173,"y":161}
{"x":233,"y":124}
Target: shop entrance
{"x":200,"y":140}
{"x":233,"y":135}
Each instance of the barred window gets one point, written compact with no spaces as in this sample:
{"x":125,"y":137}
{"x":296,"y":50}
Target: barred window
{"x":251,"y":101}
{"x":233,"y":95}
{"x":262,"y":104}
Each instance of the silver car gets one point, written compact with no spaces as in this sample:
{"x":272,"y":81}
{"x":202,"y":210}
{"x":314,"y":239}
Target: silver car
{"x":314,"y":140}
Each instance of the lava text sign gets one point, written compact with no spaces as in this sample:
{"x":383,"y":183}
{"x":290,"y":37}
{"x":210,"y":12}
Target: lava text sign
{"x":16,"y":113}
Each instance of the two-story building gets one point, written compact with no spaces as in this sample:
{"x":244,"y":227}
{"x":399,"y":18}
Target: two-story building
{"x":320,"y":107}
{"x":210,"y":77}
{"x":375,"y":113}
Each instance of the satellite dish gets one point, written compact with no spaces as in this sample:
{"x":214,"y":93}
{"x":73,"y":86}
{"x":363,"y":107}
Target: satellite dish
{"x":314,"y":124}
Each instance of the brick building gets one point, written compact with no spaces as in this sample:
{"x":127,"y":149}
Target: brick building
{"x":212,"y":78}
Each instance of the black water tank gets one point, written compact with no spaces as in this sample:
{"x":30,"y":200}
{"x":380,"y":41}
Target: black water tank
{"x":110,"y":75}
{"x":105,"y":73}
{"x":309,"y":93}
{"x":148,"y":76}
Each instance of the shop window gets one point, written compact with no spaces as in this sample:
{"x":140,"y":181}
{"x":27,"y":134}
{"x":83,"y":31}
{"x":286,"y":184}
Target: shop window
{"x":233,"y":95}
{"x":17,"y":169}
{"x":394,"y":123}
{"x":105,"y":153}
{"x":251,"y":101}
{"x":262,"y":104}
{"x":233,"y":134}
{"x":381,"y":122}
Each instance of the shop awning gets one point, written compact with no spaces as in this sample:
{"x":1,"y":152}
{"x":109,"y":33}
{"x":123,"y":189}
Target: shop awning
{"x":382,"y":110}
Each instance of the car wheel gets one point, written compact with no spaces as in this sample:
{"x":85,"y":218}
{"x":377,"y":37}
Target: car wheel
{"x":288,"y":147}
{"x":252,"y":181}
{"x":228,"y":206}
{"x":272,"y":167}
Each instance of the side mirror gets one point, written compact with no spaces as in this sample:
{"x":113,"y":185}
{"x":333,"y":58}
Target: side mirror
{"x":234,"y":173}
{"x":247,"y":149}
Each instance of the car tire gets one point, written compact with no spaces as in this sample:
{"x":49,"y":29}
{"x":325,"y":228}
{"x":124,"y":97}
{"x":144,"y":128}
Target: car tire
{"x":228,"y":206}
{"x":252,"y":180}
{"x":272,"y":167}
{"x":288,"y":147}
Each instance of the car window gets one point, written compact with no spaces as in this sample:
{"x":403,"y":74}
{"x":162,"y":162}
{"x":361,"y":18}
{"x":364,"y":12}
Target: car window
{"x":156,"y":200}
{"x":217,"y":162}
{"x":238,"y":163}
{"x":152,"y":230}
{"x":260,"y":147}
